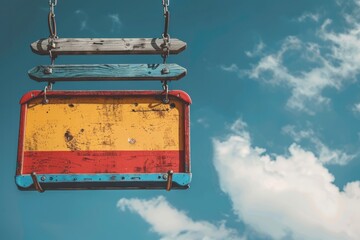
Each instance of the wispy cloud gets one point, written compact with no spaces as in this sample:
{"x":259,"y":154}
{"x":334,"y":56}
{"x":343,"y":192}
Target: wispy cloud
{"x":203,"y":122}
{"x":309,"y":16}
{"x":356,"y":108}
{"x":324,"y":154}
{"x":83,"y":19}
{"x":171,"y":224}
{"x":288,"y":196}
{"x":329,"y":63}
{"x":257,"y":51}
{"x":116,"y":23}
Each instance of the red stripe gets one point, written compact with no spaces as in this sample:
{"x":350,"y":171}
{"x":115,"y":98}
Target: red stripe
{"x":67,"y":162}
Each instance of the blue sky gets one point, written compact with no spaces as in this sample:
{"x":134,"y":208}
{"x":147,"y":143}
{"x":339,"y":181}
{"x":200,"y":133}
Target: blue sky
{"x":275,"y":117}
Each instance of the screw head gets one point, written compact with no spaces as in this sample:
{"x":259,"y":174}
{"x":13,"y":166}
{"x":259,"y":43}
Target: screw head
{"x":43,"y":178}
{"x":48,"y":70}
{"x":165,"y":70}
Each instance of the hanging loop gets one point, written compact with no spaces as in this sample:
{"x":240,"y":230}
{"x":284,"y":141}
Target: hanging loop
{"x":51,"y":20}
{"x":52,"y":57}
{"x":47,"y":88}
{"x":166,"y":90}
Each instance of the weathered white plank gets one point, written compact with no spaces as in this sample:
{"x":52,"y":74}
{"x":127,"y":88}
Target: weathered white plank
{"x":106,"y":46}
{"x":106,"y":72}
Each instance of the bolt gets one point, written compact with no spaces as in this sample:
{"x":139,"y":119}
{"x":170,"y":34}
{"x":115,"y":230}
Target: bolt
{"x":48,"y":70}
{"x":43,"y":178}
{"x":166,"y":100}
{"x":165,"y":176}
{"x":165,"y":70}
{"x":132,"y":140}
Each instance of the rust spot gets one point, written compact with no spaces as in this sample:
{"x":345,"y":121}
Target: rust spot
{"x":68,"y":136}
{"x":71,"y":105}
{"x":141,"y":45}
{"x":161,"y":114}
{"x":70,"y":141}
{"x":172,"y":105}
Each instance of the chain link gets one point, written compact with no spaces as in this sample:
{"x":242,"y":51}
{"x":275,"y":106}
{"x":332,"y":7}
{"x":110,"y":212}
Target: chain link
{"x":53,"y":2}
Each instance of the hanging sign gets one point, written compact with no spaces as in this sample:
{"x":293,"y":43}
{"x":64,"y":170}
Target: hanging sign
{"x":104,"y":140}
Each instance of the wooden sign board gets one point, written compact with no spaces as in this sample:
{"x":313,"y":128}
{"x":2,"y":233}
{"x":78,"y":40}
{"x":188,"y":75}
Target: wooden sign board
{"x":105,"y":46}
{"x":107,"y":72}
{"x":103,"y":140}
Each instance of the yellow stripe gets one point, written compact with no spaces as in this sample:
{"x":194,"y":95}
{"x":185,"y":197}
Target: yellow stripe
{"x":104,"y":124}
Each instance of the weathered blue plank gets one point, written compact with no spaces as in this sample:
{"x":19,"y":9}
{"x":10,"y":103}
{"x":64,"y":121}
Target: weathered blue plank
{"x":103,"y":181}
{"x":106,"y":72}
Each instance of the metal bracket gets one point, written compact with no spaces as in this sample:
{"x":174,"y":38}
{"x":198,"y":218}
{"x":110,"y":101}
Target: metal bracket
{"x":36,"y":183}
{"x":169,"y":180}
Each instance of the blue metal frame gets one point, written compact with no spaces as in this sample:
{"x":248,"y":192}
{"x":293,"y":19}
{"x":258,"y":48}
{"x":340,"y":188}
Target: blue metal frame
{"x":80,"y":181}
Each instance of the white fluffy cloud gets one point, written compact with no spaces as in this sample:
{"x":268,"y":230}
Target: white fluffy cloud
{"x":288,"y":197}
{"x":330,"y":62}
{"x":158,"y":211}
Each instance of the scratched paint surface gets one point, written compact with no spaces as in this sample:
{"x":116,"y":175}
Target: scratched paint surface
{"x":103,"y":135}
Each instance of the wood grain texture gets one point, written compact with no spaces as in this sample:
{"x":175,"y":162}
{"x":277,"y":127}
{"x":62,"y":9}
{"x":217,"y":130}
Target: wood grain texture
{"x":107,"y":72}
{"x":106,"y":46}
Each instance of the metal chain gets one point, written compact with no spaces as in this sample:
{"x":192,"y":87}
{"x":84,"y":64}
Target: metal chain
{"x":166,"y":36}
{"x":51,"y":43}
{"x":166,"y":4}
{"x":52,"y":30}
{"x":51,"y":19}
{"x":166,"y":48}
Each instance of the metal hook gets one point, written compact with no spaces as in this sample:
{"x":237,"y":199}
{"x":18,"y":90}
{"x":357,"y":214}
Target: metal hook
{"x":166,"y":90}
{"x":48,"y":87}
{"x":169,"y":180}
{"x":36,"y":182}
